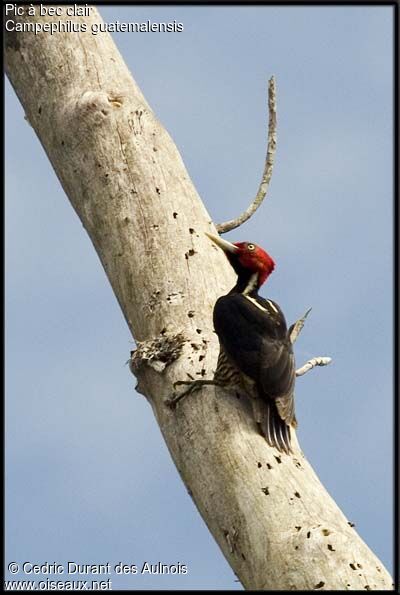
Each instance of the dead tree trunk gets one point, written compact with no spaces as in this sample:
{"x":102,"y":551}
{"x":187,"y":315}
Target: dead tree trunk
{"x":272,"y":518}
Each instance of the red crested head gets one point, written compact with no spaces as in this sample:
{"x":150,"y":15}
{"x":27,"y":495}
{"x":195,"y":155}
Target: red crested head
{"x":246,"y":259}
{"x":255,"y":259}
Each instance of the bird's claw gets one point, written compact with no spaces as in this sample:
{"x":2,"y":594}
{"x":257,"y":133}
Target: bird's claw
{"x":171,"y":401}
{"x":194,"y":385}
{"x":180,"y":382}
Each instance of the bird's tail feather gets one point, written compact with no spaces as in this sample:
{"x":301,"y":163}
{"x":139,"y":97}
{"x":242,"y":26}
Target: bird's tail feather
{"x":274,"y":429}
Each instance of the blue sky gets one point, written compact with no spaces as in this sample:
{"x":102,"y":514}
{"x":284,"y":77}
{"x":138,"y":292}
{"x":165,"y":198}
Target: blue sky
{"x":89,"y":478}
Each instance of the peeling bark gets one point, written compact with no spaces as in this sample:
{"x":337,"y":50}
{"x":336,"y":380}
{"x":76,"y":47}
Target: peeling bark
{"x":274,"y":521}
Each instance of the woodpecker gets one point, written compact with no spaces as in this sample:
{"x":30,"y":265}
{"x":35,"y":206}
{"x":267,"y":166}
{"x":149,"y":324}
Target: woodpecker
{"x":255,"y":348}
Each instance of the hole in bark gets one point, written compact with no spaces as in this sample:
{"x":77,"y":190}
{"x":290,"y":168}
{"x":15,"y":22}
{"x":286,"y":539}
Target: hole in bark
{"x":297,"y":528}
{"x":244,"y":557}
{"x":198,"y":330}
{"x":158,"y":190}
{"x":265,"y":491}
{"x":191,"y":230}
{"x":259,"y":465}
{"x":191,"y":313}
{"x":352,"y":566}
{"x":331,"y":548}
{"x":40,"y":111}
{"x":326,"y":532}
{"x":174,"y":215}
{"x":201,"y":357}
{"x":297,"y":495}
{"x":367,"y":587}
{"x":296,"y":547}
{"x":154,"y":149}
{"x":351,"y":524}
{"x":269,"y":466}
{"x":278,"y":459}
{"x":359,"y":565}
{"x":319,"y":585}
{"x":308,"y":534}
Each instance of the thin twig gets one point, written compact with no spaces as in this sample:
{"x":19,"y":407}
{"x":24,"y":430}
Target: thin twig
{"x":297,"y":327}
{"x":294,"y":332}
{"x":315,"y":361}
{"x":269,"y":163}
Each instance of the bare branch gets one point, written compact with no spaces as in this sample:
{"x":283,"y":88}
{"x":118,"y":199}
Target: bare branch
{"x":269,"y":164}
{"x":312,"y":363}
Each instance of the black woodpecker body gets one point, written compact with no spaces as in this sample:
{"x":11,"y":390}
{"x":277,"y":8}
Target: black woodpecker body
{"x":255,"y":348}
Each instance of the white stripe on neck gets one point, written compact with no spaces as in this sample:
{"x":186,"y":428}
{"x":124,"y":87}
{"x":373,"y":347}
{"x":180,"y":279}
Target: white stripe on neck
{"x":253,"y":301}
{"x":259,"y":306}
{"x":272,"y":306}
{"x":252,"y":284}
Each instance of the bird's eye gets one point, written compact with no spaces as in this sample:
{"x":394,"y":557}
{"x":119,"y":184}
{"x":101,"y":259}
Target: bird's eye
{"x":250,"y":247}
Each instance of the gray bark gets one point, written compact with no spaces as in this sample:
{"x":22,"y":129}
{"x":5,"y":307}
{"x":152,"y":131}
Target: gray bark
{"x":274,"y":521}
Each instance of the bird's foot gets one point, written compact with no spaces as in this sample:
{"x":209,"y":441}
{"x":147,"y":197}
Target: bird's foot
{"x":192,"y":386}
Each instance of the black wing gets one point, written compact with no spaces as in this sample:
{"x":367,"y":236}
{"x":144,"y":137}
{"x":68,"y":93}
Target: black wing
{"x":254,"y":335}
